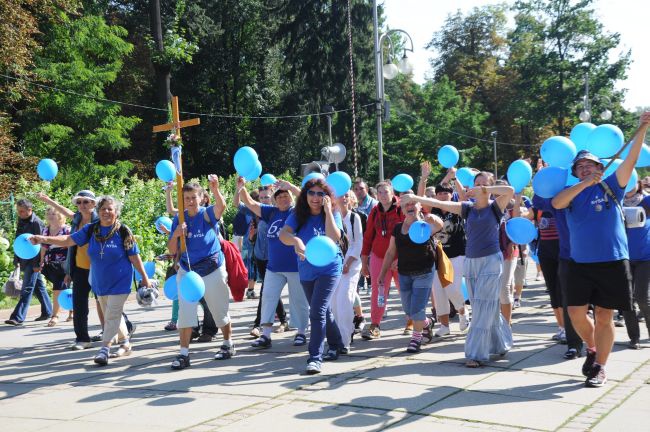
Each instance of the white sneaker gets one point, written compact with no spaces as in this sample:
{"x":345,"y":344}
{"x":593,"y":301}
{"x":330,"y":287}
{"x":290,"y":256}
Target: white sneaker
{"x":558,"y":335}
{"x":79,"y":346}
{"x":442,"y":331}
{"x":463,"y":322}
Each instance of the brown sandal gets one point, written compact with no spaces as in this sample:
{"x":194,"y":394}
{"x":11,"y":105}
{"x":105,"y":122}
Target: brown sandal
{"x":53,"y":321}
{"x":472,"y":364}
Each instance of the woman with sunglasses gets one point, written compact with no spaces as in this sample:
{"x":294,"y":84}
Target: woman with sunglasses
{"x":489,"y":332}
{"x":77,"y":264}
{"x":380,"y":225}
{"x":315,"y":215}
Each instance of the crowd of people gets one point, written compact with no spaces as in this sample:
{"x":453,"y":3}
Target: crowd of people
{"x":594,"y":264}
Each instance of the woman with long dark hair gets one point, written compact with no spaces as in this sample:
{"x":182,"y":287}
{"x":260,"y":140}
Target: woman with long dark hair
{"x":314,"y":215}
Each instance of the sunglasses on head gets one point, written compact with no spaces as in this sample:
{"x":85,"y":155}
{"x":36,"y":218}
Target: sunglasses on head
{"x":316,"y":193}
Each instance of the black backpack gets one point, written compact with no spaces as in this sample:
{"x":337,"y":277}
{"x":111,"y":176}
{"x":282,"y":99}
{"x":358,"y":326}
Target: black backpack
{"x":364,"y":220}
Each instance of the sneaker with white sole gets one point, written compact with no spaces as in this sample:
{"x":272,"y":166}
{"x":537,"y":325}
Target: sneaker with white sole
{"x":558,"y":334}
{"x":442,"y":331}
{"x":596,"y":377}
{"x":79,"y":346}
{"x":463,"y":322}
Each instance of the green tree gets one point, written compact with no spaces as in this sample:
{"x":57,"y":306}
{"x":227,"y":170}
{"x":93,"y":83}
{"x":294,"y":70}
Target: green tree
{"x":83,"y":56}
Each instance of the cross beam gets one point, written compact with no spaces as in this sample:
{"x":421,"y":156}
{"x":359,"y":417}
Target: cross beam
{"x":176,"y":125}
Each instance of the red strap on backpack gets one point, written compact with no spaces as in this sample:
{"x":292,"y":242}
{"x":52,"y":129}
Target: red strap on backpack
{"x":237,"y":272}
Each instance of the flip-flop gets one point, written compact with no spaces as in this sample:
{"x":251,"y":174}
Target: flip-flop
{"x":53,"y":321}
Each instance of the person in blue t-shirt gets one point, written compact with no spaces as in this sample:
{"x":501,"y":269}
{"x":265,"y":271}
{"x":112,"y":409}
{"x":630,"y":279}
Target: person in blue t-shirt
{"x":600,"y":270}
{"x":313,"y":216}
{"x":489,"y":333}
{"x":202,"y":255}
{"x":282,"y":266}
{"x":113,"y":253}
{"x":639,"y":247}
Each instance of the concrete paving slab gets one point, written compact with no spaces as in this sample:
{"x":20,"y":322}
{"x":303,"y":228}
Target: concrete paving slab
{"x":26,"y":424}
{"x":631,"y":416}
{"x":504,"y":410}
{"x":370,"y":393}
{"x":170,"y":411}
{"x":535,"y":385}
{"x":319,"y":417}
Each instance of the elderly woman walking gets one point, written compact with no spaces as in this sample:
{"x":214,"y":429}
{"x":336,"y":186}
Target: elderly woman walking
{"x":113,"y":254}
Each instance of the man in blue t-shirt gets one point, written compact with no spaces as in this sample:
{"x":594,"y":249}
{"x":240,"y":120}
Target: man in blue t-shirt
{"x":600,"y":270}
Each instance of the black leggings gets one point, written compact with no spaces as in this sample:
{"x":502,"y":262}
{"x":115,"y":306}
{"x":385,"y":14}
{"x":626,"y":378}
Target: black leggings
{"x":80,"y":294}
{"x":572,"y":338}
{"x":641,"y":283}
{"x":550,"y":268}
{"x":279,"y":310}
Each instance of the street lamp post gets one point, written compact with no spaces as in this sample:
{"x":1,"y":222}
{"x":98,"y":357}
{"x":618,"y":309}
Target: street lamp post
{"x":390,"y":71}
{"x":585,"y":115}
{"x":494,"y":144}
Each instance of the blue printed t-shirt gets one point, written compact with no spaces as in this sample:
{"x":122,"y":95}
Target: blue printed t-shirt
{"x":639,"y":242}
{"x":261,"y":249}
{"x":112,"y":272}
{"x":482,"y":229}
{"x":595,"y":227}
{"x":282,"y":258}
{"x":315,"y":226}
{"x":202,"y":242}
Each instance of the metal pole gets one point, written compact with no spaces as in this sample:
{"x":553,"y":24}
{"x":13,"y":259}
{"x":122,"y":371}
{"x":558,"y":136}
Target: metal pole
{"x":494,"y":144}
{"x":379,"y":91}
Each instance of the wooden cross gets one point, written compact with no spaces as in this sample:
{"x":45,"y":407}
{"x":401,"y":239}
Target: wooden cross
{"x":176,"y":125}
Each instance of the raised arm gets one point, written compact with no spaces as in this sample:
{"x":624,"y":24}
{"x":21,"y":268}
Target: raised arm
{"x":41,"y":196}
{"x":503,"y":195}
{"x":425,"y":171}
{"x":448,"y":206}
{"x":331,"y":229}
{"x":460,"y":189}
{"x":168,"y":200}
{"x":563,"y":199}
{"x":285,"y":185}
{"x":624,"y":171}
{"x":219,"y":200}
{"x":249,"y":202}
{"x":241,"y":184}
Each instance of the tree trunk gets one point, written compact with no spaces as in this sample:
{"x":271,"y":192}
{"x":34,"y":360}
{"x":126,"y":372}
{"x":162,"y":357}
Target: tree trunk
{"x":162,"y":71}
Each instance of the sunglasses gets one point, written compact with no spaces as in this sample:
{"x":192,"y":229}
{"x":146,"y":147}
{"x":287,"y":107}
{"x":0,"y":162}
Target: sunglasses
{"x":84,"y":202}
{"x":316,"y":193}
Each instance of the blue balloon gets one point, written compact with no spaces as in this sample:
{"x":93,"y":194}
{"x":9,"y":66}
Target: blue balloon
{"x":644,"y":156}
{"x":634,"y":178}
{"x":466,"y":176}
{"x":170,"y":288}
{"x":312,"y":176}
{"x":47,"y":169}
{"x":420,"y":232}
{"x":192,"y":287}
{"x":571,"y":180}
{"x":580,"y":134}
{"x":463,"y":288}
{"x":166,"y":171}
{"x":340,"y":182}
{"x":149,"y":268}
{"x":558,"y":151}
{"x":65,"y":299}
{"x":448,"y":156}
{"x":321,"y":251}
{"x":24,"y":249}
{"x":255,"y":172}
{"x":402,"y":182}
{"x":549,"y":181}
{"x":268,"y":180}
{"x":163,"y":221}
{"x":244,"y":160}
{"x":519,"y":174}
{"x":605,"y":140}
{"x":521,"y":230}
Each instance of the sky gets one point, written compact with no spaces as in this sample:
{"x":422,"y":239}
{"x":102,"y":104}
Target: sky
{"x":421,"y":18}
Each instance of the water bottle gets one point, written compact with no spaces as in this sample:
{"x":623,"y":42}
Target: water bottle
{"x":381,"y":301}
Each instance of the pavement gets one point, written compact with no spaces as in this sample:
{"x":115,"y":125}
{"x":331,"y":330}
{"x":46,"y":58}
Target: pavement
{"x":44,"y":387}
